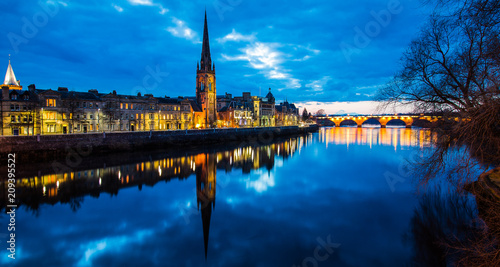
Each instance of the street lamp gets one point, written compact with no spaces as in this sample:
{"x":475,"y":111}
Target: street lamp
{"x":42,"y":121}
{"x":98,"y":118}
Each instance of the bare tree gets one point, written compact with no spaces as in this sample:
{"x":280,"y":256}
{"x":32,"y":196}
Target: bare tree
{"x":74,"y":114}
{"x":110,"y":113}
{"x":453,"y":67}
{"x":320,"y":112}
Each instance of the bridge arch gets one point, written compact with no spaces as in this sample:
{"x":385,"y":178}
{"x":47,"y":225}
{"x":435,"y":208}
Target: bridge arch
{"x":346,"y":122}
{"x":372,"y":122}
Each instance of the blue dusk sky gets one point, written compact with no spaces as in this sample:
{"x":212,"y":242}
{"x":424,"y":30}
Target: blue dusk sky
{"x":318,"y":54}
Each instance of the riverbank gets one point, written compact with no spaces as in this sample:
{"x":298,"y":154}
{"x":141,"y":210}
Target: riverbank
{"x":48,"y":147}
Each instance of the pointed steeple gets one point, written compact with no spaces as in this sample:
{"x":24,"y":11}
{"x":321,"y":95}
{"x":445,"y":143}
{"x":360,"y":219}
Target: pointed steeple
{"x":206,"y":60}
{"x":10,"y":78}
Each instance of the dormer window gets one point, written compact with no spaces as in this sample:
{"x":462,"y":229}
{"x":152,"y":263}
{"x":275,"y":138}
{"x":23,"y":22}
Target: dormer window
{"x":50,"y":102}
{"x":14,"y":97}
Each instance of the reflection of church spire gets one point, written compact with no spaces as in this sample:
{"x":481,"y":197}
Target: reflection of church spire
{"x":205,"y":191}
{"x":206,"y":214}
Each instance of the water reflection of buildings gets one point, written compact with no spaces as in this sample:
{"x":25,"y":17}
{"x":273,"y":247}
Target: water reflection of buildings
{"x":395,"y":137}
{"x":54,"y":188}
{"x":72,"y":186}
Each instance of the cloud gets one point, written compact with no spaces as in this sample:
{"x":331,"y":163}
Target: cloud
{"x":262,"y":56}
{"x":318,"y":85}
{"x":117,"y":7}
{"x":141,"y":2}
{"x":236,"y":37}
{"x":148,"y":3}
{"x":181,"y":30}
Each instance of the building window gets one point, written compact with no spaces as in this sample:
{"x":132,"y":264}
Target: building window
{"x":90,"y":104}
{"x":150,"y":116}
{"x":121,"y":105}
{"x":84,"y":116}
{"x":17,"y":107}
{"x":84,"y":104}
{"x":14,"y":97}
{"x":91,"y":116}
{"x":13,"y":118}
{"x":12,"y":107}
{"x":50,"y":102}
{"x":142,"y":116}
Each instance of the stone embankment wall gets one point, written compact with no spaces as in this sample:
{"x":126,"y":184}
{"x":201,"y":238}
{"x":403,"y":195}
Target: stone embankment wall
{"x":50,"y":146}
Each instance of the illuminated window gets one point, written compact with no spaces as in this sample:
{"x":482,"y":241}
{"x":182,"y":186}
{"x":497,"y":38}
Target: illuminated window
{"x":126,"y":105}
{"x":136,"y":116}
{"x":51,"y":102}
{"x":142,"y":116}
{"x":131,"y":106}
{"x":121,"y":105}
{"x":91,"y":127}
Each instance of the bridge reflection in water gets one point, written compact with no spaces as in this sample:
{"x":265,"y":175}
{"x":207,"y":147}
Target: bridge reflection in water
{"x":395,"y":137}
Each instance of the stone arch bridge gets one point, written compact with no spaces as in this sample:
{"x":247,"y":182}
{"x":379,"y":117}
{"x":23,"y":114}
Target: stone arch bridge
{"x":408,"y":119}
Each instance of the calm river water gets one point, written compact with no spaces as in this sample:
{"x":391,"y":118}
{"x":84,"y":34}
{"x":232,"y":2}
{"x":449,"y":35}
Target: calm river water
{"x":338,"y":197}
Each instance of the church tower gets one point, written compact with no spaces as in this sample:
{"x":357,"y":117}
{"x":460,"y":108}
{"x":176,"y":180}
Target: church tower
{"x":205,"y":82}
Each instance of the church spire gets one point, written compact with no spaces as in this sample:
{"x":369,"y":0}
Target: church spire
{"x":10,"y":78}
{"x":206,"y":60}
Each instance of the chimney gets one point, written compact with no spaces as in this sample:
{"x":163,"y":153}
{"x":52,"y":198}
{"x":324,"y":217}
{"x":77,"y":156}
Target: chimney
{"x":114,"y":92}
{"x":94,"y":91}
{"x":31,"y":87}
{"x":5,"y":93}
{"x":62,"y":89}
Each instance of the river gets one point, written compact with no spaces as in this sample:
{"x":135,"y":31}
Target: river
{"x":338,"y":197}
